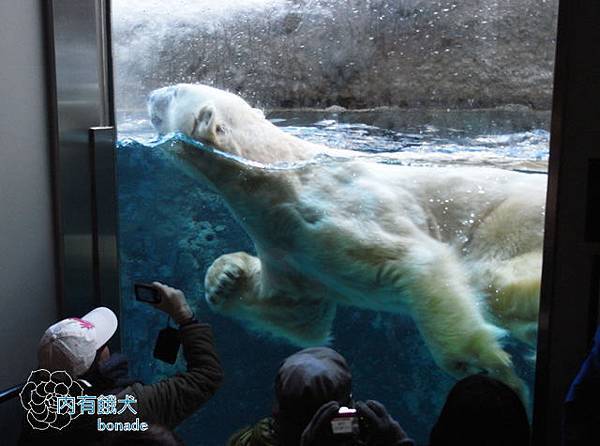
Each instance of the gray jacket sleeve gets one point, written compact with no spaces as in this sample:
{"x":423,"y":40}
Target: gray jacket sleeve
{"x":172,"y":400}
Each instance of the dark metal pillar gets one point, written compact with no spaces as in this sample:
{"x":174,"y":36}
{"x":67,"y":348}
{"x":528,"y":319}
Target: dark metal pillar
{"x":569,"y":304}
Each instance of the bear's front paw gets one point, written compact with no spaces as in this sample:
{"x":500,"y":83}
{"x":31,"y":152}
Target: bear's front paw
{"x":224,"y":283}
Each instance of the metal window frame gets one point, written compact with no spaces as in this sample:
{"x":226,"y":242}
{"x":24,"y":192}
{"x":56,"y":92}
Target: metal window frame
{"x":83,"y":153}
{"x":86,"y":204}
{"x":570,"y":277}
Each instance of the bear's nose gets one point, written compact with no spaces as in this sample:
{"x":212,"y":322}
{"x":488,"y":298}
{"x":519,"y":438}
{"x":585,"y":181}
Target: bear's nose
{"x":156,"y":121}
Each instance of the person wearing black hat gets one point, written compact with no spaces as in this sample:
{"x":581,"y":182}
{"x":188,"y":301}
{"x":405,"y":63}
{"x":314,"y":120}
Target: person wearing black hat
{"x":312,"y":388}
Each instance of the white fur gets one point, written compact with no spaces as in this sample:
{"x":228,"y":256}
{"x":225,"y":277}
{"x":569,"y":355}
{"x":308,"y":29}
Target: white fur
{"x":446,"y":245}
{"x":225,"y":121}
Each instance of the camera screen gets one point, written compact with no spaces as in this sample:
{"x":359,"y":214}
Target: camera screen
{"x":146,"y":293}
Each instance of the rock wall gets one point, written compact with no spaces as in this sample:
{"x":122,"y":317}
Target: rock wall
{"x":353,"y":53}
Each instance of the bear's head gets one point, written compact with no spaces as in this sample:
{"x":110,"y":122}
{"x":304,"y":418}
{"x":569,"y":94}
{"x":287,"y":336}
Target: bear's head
{"x":209,"y":115}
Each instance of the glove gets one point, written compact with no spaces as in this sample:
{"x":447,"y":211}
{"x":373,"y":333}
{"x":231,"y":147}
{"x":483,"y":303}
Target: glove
{"x":173,"y":302}
{"x":378,"y":428}
{"x":318,"y":431}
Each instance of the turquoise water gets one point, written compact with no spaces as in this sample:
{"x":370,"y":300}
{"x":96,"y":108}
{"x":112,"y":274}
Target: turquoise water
{"x":172,"y":228}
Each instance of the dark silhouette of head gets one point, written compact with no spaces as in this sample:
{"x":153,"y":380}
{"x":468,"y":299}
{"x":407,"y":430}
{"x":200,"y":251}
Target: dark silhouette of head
{"x":305,"y":381}
{"x":481,"y":411}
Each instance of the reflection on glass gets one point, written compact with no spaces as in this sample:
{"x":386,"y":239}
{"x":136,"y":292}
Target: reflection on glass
{"x":415,"y":229}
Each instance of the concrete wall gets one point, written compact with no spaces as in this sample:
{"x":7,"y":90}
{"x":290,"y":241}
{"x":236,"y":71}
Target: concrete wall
{"x":408,"y":53}
{"x":27,"y":277}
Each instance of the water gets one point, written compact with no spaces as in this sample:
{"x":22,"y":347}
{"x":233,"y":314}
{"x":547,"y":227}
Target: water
{"x":172,"y":228}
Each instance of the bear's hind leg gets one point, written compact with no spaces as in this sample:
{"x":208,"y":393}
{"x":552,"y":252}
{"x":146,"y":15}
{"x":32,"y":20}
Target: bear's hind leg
{"x":447,"y":314}
{"x":513,"y":294}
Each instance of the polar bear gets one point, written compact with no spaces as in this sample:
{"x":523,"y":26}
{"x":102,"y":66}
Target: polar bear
{"x":459,"y":248}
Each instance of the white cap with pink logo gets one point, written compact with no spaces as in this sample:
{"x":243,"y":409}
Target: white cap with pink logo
{"x":71,"y":344}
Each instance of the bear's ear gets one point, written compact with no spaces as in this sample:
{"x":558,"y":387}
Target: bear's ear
{"x":205,"y":126}
{"x":258,"y":112}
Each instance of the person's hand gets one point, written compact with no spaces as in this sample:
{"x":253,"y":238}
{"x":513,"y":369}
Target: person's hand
{"x":173,"y":302}
{"x":378,"y":428}
{"x":318,"y":431}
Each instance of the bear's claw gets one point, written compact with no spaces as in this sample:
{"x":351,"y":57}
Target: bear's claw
{"x":225,"y":284}
{"x":224,"y":279}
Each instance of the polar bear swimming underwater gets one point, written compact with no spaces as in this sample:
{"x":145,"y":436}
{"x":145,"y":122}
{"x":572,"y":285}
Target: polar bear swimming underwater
{"x":451,"y":246}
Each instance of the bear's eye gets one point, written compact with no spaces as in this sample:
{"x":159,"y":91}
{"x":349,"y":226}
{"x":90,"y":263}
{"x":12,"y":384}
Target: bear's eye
{"x":220,"y":129}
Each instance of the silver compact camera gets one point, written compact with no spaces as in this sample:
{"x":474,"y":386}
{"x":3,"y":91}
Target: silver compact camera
{"x":345,"y":422}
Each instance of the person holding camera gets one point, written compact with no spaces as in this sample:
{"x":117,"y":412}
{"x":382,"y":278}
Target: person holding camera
{"x":78,"y":346}
{"x":314,"y":407}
